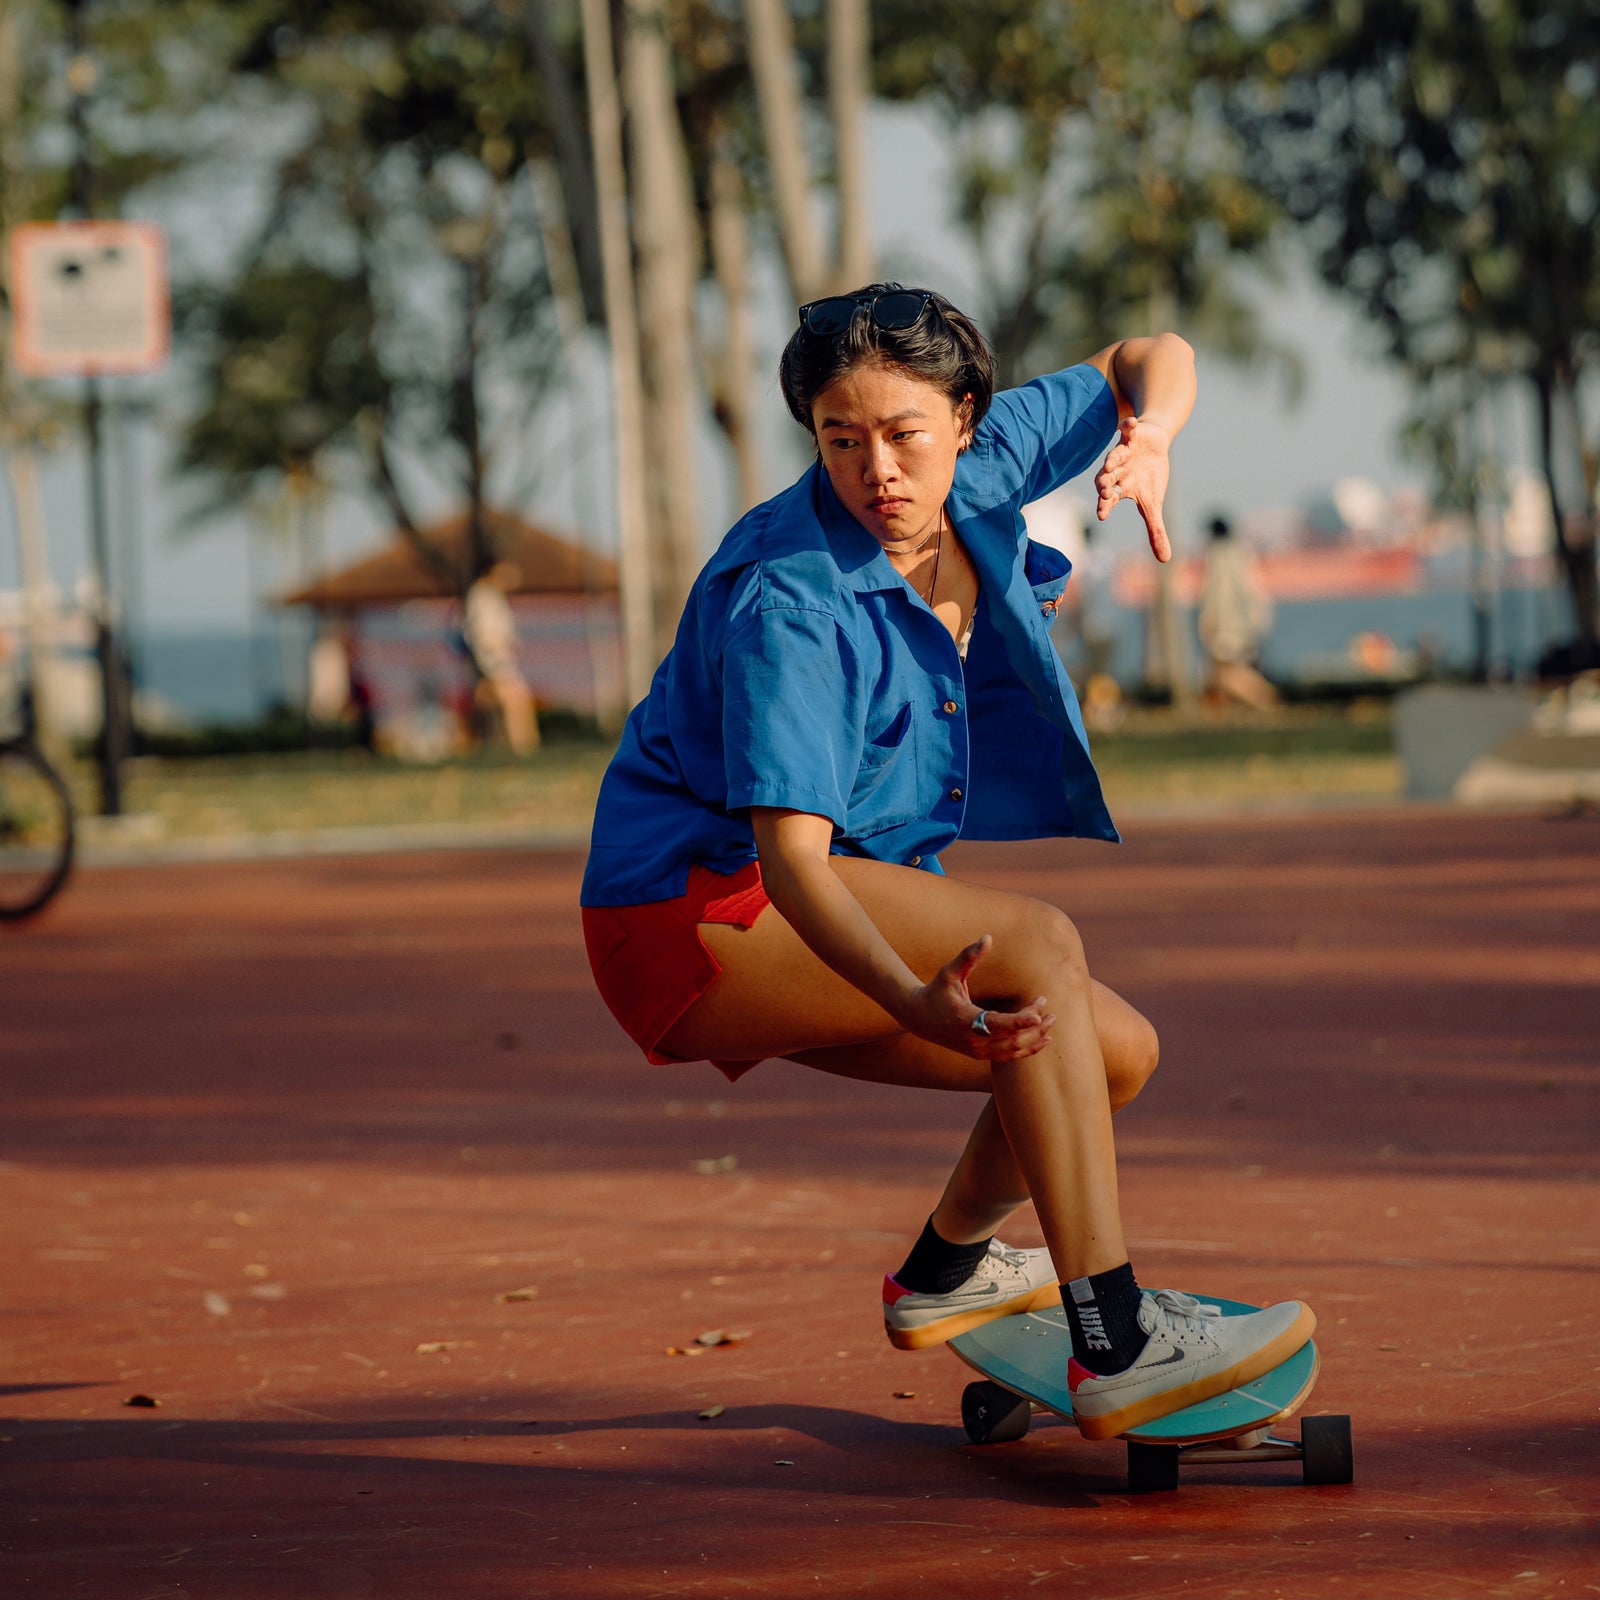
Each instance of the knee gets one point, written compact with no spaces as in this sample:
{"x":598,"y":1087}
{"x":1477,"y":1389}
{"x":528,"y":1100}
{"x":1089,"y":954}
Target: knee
{"x":1130,"y":1066}
{"x":1057,"y":948}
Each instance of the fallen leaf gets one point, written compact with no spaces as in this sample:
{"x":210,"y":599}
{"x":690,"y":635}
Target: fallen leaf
{"x":711,"y":1413}
{"x":782,"y":1463}
{"x":718,"y":1336}
{"x":905,"y":1394}
{"x":439,"y":1346}
{"x":679,"y":1350}
{"x":141,"y":1400}
{"x":528,"y":1293}
{"x":711,"y":1167}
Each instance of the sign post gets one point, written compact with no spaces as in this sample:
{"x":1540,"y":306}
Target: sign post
{"x":90,"y":300}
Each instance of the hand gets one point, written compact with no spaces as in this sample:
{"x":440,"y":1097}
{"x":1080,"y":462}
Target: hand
{"x":942,"y":1011}
{"x":1137,"y":469}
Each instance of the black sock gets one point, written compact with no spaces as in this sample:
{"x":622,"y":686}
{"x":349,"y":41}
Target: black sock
{"x":935,"y":1266}
{"x":1103,"y":1313}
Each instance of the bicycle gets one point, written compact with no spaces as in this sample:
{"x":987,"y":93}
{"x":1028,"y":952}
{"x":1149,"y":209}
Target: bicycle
{"x":37,"y":828}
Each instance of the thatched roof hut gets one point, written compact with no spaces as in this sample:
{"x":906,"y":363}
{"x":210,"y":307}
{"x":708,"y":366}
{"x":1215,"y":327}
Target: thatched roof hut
{"x":398,"y":573}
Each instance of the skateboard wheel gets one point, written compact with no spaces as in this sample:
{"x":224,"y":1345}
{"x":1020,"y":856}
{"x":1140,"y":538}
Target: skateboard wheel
{"x":993,"y":1415}
{"x":1151,"y":1467}
{"x":1326,"y":1450}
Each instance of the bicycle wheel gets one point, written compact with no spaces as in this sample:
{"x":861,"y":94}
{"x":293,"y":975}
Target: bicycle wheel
{"x":35,"y":832}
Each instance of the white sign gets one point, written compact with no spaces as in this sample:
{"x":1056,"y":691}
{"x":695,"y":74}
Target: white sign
{"x":89,"y":298}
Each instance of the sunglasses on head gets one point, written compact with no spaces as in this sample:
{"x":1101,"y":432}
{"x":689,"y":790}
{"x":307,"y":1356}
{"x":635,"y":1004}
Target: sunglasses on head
{"x":890,"y":309}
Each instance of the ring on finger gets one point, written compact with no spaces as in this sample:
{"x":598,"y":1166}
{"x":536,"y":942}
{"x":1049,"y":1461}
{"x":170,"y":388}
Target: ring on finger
{"x":980,"y":1023}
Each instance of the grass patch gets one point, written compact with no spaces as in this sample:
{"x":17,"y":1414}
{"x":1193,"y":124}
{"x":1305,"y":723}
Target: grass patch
{"x":1154,"y":756}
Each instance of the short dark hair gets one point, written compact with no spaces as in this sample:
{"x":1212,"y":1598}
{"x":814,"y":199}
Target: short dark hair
{"x":942,"y":347}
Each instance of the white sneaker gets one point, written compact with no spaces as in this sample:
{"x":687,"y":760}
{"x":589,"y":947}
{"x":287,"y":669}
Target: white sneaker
{"x":1193,"y":1353}
{"x":1005,"y":1283}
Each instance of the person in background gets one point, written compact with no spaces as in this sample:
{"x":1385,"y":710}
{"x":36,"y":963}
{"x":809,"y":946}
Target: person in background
{"x":1235,"y":616}
{"x":490,"y":630}
{"x":1098,"y":689}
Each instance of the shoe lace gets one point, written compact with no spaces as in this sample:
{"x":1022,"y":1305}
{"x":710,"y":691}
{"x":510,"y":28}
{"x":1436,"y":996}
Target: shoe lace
{"x":1004,"y":1253}
{"x":1182,"y":1313}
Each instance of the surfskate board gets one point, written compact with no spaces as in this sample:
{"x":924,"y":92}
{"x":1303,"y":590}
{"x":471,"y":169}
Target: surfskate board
{"x":1023,"y":1362}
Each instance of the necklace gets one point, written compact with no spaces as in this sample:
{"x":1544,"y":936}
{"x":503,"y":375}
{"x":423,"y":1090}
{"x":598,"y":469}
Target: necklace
{"x":938,"y":550}
{"x":912,"y":549}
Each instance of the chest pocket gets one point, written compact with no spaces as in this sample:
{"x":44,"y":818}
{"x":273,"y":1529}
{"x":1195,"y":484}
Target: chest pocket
{"x":885,"y":791}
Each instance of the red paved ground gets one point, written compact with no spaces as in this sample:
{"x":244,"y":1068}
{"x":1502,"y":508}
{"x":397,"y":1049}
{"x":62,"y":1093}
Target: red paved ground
{"x":270,"y":1128}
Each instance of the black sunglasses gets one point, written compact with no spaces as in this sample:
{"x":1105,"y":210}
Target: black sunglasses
{"x":891,"y":309}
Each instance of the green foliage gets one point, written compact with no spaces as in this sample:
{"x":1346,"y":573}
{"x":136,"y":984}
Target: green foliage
{"x":288,"y":367}
{"x":1448,"y":155}
{"x":374,"y":286}
{"x":1097,"y":176}
{"x":396,"y":283}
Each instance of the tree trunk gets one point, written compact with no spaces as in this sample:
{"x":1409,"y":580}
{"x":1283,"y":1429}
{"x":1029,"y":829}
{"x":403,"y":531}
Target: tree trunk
{"x":561,"y":263}
{"x":479,"y":554}
{"x":1560,"y":457}
{"x":735,"y":360}
{"x":783,"y":130}
{"x":21,"y":457}
{"x":572,"y":157}
{"x":666,"y":241}
{"x":849,"y":70}
{"x":611,"y":198}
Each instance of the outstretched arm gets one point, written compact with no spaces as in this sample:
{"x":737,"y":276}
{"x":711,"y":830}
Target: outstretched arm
{"x":1154,"y":384}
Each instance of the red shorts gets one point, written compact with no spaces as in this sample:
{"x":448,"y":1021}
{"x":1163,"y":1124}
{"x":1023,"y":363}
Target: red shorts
{"x":650,"y":963}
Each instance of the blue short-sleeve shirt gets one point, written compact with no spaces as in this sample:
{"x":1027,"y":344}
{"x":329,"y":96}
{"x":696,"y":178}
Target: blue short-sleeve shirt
{"x":808,"y":674}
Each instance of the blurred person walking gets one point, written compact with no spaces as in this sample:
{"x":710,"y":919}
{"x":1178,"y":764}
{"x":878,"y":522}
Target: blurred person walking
{"x":1095,"y":618}
{"x":490,"y":629}
{"x":864,"y":673}
{"x":1235,"y":616}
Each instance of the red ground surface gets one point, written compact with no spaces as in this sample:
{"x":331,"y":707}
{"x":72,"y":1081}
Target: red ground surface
{"x":271,"y":1128}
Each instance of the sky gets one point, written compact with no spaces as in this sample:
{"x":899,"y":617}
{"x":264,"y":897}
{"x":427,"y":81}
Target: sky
{"x":1244,"y":450}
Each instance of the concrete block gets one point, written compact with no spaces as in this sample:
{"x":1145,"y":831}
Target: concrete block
{"x":1441,"y":729}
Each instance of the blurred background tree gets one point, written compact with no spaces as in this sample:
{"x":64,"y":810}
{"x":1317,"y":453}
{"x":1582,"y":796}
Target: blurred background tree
{"x":389,"y":306}
{"x":81,"y":128}
{"x":1100,"y":185}
{"x":1446,"y":160}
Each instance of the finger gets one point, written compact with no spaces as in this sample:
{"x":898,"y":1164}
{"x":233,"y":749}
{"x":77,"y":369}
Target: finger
{"x":960,"y":966}
{"x":1160,"y":544}
{"x":1009,"y":1025}
{"x":1019,"y":1047}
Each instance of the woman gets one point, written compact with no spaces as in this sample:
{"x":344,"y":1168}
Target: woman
{"x":863,"y":674}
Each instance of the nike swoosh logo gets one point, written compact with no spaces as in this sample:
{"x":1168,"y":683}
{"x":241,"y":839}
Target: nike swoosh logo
{"x":1177,"y":1355}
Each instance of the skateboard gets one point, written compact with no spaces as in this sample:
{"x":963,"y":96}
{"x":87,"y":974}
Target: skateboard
{"x":1023,"y":1360}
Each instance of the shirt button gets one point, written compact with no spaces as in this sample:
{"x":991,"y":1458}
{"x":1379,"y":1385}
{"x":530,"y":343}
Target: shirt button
{"x":950,"y":708}
{"x":916,"y":861}
{"x":955,"y":794}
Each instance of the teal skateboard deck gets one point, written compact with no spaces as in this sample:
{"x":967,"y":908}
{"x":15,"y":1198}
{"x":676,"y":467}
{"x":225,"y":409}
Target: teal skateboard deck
{"x":1023,"y":1361}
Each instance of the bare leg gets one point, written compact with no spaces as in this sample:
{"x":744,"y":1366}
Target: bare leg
{"x":987,"y":1184}
{"x":775,"y":998}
